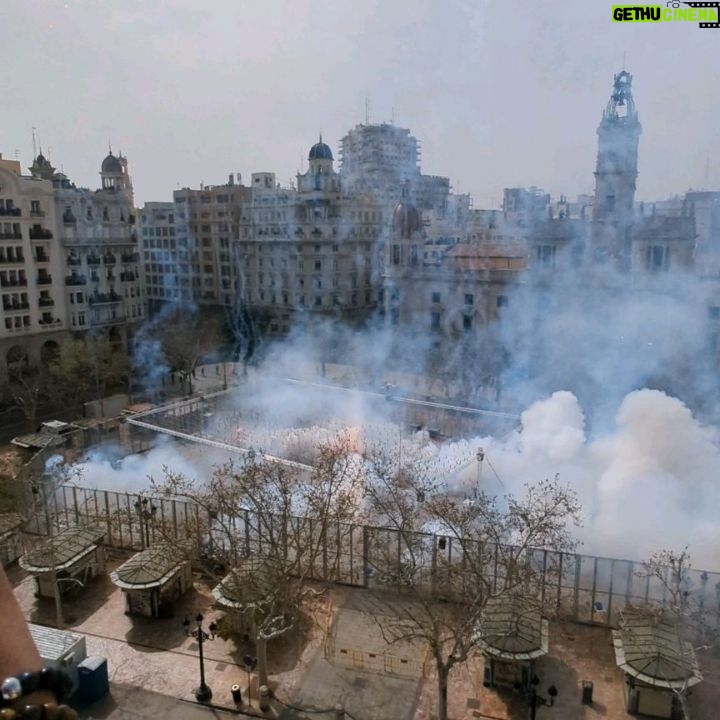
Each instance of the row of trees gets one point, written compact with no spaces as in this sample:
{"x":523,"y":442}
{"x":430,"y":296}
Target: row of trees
{"x":299,"y":518}
{"x":278,"y":526}
{"x":81,"y":369}
{"x":89,"y":366}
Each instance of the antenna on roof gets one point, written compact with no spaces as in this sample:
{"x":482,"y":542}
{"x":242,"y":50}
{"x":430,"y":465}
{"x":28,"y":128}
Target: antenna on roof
{"x":34,"y":142}
{"x":367,"y":110}
{"x":392,"y":115}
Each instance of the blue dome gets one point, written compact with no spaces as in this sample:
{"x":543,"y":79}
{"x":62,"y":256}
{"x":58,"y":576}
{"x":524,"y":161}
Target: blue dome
{"x":320,"y":151}
{"x":111,"y":164}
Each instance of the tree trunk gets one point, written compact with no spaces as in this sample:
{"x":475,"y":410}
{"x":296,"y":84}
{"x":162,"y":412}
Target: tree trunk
{"x":261,"y":647}
{"x":443,"y":673}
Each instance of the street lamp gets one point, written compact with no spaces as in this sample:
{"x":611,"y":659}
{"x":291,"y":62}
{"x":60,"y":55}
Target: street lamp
{"x":146,"y":514}
{"x":203,"y":693}
{"x":534,"y":700}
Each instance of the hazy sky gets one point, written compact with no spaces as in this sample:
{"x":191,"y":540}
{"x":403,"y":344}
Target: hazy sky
{"x":499,"y":93}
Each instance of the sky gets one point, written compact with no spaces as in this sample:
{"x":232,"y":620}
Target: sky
{"x":500,"y":94}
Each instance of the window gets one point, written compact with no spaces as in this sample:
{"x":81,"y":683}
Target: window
{"x":413,"y":254}
{"x":436,"y":297}
{"x":318,"y":301}
{"x":394,"y":316}
{"x":610,"y":203}
{"x":714,"y":312}
{"x":545,"y":255}
{"x":318,"y":264}
{"x":395,"y":254}
{"x":501,"y":301}
{"x":469,"y":299}
{"x":435,"y":321}
{"x":467,"y":322}
{"x":657,"y":257}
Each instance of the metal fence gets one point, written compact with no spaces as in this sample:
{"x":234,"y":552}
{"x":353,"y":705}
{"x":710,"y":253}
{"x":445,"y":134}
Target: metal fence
{"x":583,"y":588}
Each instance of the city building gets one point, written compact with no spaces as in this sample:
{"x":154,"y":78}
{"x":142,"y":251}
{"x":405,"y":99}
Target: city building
{"x":309,"y":252}
{"x":104,"y":288}
{"x":159,"y":252}
{"x":34,"y":314}
{"x":206,"y":223}
{"x":381,"y":159}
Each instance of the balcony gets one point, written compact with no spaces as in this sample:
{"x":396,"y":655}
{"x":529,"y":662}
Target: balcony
{"x":104,"y":298}
{"x":10,"y":212}
{"x":93,"y":260}
{"x":51,"y":321}
{"x":109,"y":259}
{"x":44,"y":280}
{"x":128,"y":276}
{"x":75,"y":280}
{"x":74,"y":261}
{"x":42,"y":257}
{"x":69,"y":219}
{"x":22,"y":282}
{"x":12,"y":260}
{"x":130,"y":257}
{"x":98,"y":320}
{"x":11,"y":236}
{"x":110,"y":276}
{"x":45,"y":302}
{"x":37,"y":213}
{"x":13,"y":307}
{"x":94,"y":277}
{"x":40,"y":234}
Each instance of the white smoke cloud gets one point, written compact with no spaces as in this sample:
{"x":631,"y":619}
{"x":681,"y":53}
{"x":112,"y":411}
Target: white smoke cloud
{"x":646,"y":482}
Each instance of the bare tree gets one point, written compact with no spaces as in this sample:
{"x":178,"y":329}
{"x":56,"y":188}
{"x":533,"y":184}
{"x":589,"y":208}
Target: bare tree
{"x":448,"y":556}
{"x":684,"y":607}
{"x":28,"y":387}
{"x":290,"y":517}
{"x":85,"y":368}
{"x":186,"y":336}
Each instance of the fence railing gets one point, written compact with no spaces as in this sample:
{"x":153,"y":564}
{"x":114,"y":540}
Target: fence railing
{"x":584,"y":588}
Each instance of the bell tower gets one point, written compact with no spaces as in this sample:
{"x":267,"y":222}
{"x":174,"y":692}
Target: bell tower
{"x":615,"y":175}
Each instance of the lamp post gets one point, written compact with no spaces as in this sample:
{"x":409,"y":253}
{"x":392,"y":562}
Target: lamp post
{"x":203,"y":693}
{"x":146,"y":514}
{"x":534,"y":700}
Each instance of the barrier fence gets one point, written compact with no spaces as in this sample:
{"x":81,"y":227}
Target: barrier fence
{"x":583,"y":588}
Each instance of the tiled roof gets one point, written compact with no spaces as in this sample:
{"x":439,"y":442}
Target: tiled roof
{"x":63,"y":550}
{"x":649,"y":647}
{"x":512,"y":629}
{"x":150,"y":568}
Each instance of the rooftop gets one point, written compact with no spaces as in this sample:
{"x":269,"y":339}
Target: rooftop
{"x":149,"y":568}
{"x":61,"y":551}
{"x":650,"y":649}
{"x":512,"y":629}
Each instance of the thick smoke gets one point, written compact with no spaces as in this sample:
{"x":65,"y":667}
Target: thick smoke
{"x":647,"y":483}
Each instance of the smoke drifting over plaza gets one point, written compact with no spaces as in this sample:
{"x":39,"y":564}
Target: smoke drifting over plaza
{"x":584,"y":319}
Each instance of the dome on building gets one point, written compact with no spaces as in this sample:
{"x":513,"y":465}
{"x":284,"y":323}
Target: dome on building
{"x":111,"y":164}
{"x":406,"y":219}
{"x":42,"y":168}
{"x":320,"y":151}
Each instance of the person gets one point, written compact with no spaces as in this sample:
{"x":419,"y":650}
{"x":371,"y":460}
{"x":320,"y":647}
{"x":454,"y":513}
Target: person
{"x":18,"y":653}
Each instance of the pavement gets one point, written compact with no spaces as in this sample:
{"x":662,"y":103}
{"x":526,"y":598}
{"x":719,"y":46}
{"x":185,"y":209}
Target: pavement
{"x":154,"y":668}
{"x":155,"y":654}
